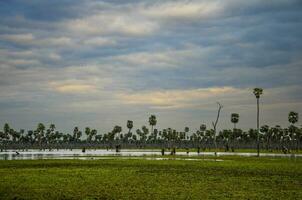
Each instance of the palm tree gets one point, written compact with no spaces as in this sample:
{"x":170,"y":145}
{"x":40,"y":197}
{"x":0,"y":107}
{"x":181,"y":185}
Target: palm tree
{"x":293,"y":117}
{"x":93,"y":132}
{"x":187,"y":129}
{"x":40,"y":132}
{"x":258,"y":92}
{"x":142,"y":135}
{"x":152,"y":122}
{"x":129,"y":125}
{"x":203,"y":127}
{"x":51,"y":136}
{"x":129,"y":134}
{"x":234,"y":120}
{"x":117,"y":130}
{"x":88,"y":132}
{"x":267,"y":135}
{"x":6,"y":128}
{"x":52,"y":127}
{"x":76,"y":133}
{"x":3,"y":138}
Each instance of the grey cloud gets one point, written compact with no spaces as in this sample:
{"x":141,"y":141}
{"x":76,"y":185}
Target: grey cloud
{"x":79,"y":56}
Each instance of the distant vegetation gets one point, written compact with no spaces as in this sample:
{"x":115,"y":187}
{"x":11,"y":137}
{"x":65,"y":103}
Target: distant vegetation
{"x":265,"y":137}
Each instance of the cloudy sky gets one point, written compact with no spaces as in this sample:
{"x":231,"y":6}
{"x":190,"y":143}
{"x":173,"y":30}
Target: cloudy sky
{"x":99,"y":63}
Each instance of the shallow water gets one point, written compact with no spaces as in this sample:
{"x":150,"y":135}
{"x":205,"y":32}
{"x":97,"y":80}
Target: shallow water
{"x":33,"y":154}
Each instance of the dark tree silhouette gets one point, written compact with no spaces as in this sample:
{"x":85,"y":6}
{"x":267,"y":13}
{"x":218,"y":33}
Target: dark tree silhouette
{"x":215,"y":125}
{"x":293,"y":117}
{"x":234,"y":120}
{"x":152,"y":122}
{"x":258,"y":92}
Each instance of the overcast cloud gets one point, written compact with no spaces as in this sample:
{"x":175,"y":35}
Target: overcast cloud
{"x":99,"y":63}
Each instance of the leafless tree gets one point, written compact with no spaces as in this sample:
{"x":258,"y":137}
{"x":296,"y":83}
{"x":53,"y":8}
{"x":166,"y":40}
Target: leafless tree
{"x":215,"y":125}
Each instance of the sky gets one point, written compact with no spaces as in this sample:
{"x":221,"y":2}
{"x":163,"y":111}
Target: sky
{"x":100,"y":63}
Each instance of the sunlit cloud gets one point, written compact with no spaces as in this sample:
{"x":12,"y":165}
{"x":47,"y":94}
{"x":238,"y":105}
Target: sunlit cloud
{"x":72,"y":87}
{"x":19,"y":38}
{"x":30,"y":39}
{"x":112,"y":23}
{"x":99,"y":41}
{"x":173,"y":99}
{"x":185,"y":9}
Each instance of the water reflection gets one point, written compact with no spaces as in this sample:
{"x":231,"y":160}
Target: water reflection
{"x":103,"y":154}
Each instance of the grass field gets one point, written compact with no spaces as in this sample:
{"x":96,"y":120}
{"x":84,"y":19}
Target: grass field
{"x":233,"y":178}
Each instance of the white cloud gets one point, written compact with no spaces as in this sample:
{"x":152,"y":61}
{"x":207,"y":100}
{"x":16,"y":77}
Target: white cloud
{"x":23,"y":62}
{"x":99,"y":41}
{"x":184,"y":9}
{"x":16,"y":54}
{"x":27,"y":38}
{"x":166,"y":58}
{"x":30,"y":39}
{"x":73,"y":88}
{"x":174,"y":99}
{"x":54,"y":56}
{"x":145,"y":59}
{"x":112,"y":23}
{"x":59,"y":41}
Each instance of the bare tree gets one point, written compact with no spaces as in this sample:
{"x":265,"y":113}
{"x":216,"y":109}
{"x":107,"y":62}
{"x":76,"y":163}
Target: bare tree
{"x":215,"y":125}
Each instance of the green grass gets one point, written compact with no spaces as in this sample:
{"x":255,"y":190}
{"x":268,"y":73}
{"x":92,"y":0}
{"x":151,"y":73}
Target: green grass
{"x":234,"y":178}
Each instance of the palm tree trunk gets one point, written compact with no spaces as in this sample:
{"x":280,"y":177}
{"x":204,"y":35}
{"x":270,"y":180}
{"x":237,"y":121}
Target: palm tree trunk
{"x":258,"y":147}
{"x":233,"y":138}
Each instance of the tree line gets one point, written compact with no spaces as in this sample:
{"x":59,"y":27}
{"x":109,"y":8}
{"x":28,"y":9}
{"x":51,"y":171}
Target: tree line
{"x":265,"y":137}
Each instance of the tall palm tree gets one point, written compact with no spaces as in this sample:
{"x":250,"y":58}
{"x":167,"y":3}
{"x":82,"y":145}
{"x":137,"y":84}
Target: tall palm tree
{"x":293,"y":117}
{"x":88,"y":132}
{"x":203,"y":127}
{"x":187,"y":129}
{"x":234,"y":120}
{"x":152,"y":122}
{"x":51,"y":136}
{"x":129,"y":134}
{"x":117,"y":130}
{"x":40,"y":134}
{"x":6,"y":128}
{"x":52,"y":127}
{"x":75,"y":133}
{"x":129,"y":125}
{"x":93,"y":132}
{"x":258,"y":92}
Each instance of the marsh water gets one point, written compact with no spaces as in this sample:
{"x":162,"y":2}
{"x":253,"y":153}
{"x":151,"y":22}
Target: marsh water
{"x":33,"y":154}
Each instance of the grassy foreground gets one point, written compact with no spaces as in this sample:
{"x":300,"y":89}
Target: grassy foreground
{"x":233,"y":178}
